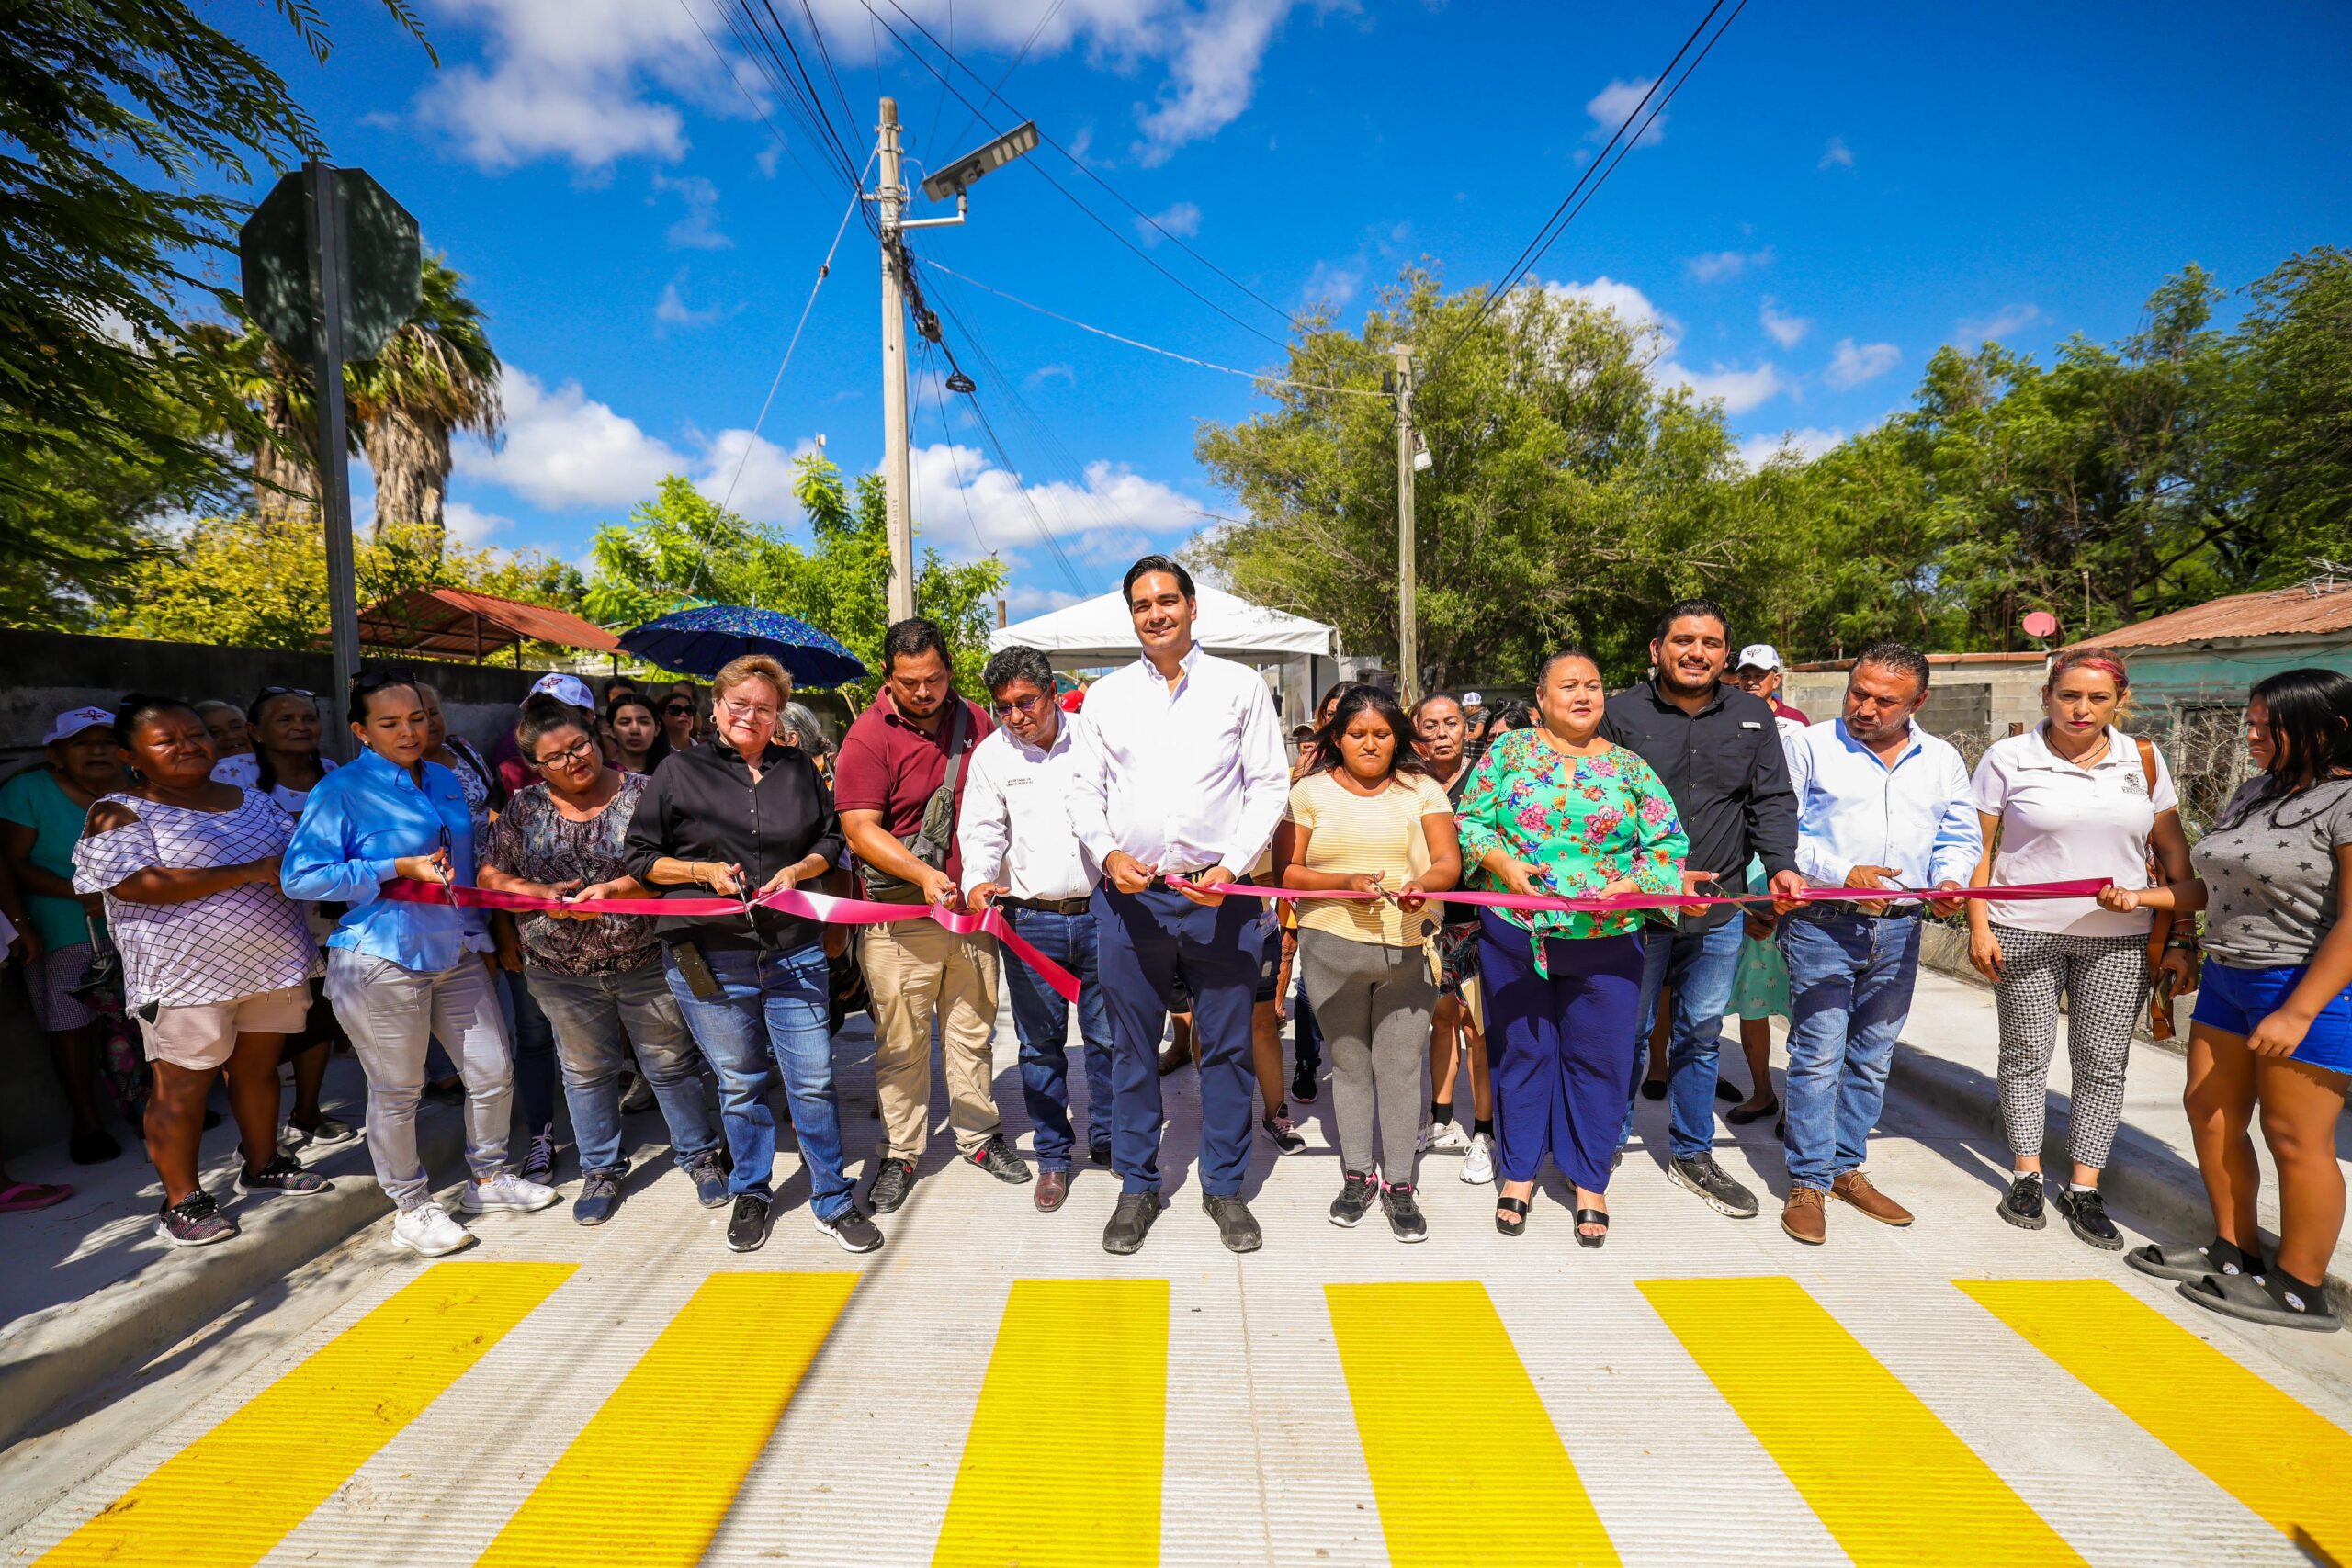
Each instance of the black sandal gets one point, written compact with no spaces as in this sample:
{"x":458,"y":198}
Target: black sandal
{"x":2266,"y":1299}
{"x":1513,"y":1205}
{"x":1741,"y":1118}
{"x":1592,"y":1217}
{"x":2187,"y":1265}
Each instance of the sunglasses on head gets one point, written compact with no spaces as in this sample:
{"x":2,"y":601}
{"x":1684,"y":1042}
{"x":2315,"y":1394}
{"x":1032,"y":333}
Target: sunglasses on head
{"x":269,"y":692}
{"x":377,"y":680}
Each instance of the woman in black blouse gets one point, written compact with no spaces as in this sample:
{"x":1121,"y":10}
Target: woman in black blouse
{"x":739,"y":816}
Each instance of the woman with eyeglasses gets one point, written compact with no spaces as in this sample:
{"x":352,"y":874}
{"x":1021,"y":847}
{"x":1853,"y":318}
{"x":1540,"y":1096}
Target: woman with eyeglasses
{"x":742,"y":816}
{"x":216,"y":960}
{"x":598,"y":978}
{"x":639,"y":743}
{"x":2273,"y":1029}
{"x":398,"y":973}
{"x":680,"y":718}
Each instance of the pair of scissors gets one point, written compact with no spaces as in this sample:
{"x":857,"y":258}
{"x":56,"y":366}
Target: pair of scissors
{"x":448,"y":871}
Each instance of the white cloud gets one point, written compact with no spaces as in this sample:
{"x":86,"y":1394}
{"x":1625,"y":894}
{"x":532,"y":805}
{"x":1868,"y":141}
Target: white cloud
{"x":1836,"y":155}
{"x":1851,"y":364}
{"x":1630,"y":304}
{"x":565,"y":449}
{"x":470,"y":524}
{"x":1786,"y":331}
{"x":672,"y":309}
{"x":1055,"y":372}
{"x":1720,"y":266}
{"x":697,"y":229}
{"x":751,"y":475}
{"x":1330,"y":287}
{"x":1028,"y":600}
{"x":1999,"y":325}
{"x":1211,"y":74}
{"x":1610,"y":106}
{"x":1115,"y":502}
{"x":1739,"y":390}
{"x":1182,"y":220}
{"x":1805,"y":444}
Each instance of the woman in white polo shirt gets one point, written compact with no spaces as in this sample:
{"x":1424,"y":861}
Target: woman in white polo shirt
{"x":2073,"y":797}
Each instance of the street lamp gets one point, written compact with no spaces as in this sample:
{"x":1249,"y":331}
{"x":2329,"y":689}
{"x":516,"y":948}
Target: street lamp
{"x":964,"y":172}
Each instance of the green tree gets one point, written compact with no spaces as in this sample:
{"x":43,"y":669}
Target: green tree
{"x":436,"y":375}
{"x":682,"y":549}
{"x":2289,"y":432}
{"x":117,"y":115}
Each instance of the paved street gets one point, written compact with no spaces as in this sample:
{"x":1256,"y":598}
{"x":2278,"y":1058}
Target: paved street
{"x":993,"y":1389}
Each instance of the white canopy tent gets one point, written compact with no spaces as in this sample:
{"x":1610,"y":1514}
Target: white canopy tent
{"x":1099,"y":631}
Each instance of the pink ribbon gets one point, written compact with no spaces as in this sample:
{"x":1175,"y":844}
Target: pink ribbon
{"x":823,"y":908}
{"x":2019,"y":892}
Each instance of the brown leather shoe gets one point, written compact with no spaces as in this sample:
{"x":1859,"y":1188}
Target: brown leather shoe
{"x":1855,"y":1188}
{"x":1053,"y":1186}
{"x":1804,"y":1216}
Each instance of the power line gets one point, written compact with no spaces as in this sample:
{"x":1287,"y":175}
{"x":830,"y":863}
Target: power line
{"x":728,"y":66}
{"x":1026,"y":45}
{"x":1076,"y":163}
{"x":1149,"y":348}
{"x":947,"y":437}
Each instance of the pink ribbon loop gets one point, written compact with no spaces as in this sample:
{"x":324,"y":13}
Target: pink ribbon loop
{"x":823,"y":908}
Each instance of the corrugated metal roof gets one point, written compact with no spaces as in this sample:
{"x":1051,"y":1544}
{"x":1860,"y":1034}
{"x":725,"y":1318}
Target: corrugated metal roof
{"x":2302,"y":611}
{"x":456,"y":623}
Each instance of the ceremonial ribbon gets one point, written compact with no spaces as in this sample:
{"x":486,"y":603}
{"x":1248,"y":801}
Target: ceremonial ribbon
{"x":2021,"y":892}
{"x":819,"y":906}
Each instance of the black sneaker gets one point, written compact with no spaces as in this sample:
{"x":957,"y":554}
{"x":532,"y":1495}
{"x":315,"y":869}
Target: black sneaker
{"x":282,"y":1175}
{"x":195,"y":1221}
{"x":1405,"y":1222}
{"x":2087,"y":1217}
{"x":1000,"y":1159}
{"x":1302,"y":1082}
{"x":1285,"y":1133}
{"x":709,"y":1178}
{"x":891,"y":1186}
{"x":852,"y":1230}
{"x":1100,"y":1153}
{"x":600,"y":1194}
{"x":1236,"y":1226}
{"x":748,"y":1230}
{"x":1702,"y":1175}
{"x":1354,"y":1201}
{"x":2022,"y":1207}
{"x":1130,"y":1221}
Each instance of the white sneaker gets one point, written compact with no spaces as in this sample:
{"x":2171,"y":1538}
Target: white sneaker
{"x":1478,"y":1160}
{"x":428,"y":1230}
{"x":504,"y":1191}
{"x":1447,"y":1139}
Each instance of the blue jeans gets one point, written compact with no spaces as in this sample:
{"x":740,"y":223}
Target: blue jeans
{"x":595,"y":1020}
{"x":534,"y":1039}
{"x":1041,"y":1018}
{"x":1849,"y":984}
{"x":771,"y":1014}
{"x":1700,"y":967}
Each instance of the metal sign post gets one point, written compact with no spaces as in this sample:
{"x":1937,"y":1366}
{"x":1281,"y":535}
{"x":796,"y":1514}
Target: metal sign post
{"x":327,"y":273}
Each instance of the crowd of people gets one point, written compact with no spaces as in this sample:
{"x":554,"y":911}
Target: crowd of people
{"x":238,"y":881}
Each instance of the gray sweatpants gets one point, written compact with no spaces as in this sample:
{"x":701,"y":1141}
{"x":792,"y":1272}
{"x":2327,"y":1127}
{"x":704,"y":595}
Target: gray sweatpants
{"x":390,"y":1012}
{"x":1372,"y":1003}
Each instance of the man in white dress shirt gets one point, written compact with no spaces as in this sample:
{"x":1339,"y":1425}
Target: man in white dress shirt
{"x":1020,"y":854}
{"x":1181,"y":774}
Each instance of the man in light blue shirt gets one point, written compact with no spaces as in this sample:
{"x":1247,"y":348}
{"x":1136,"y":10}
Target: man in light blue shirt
{"x":1880,"y":802}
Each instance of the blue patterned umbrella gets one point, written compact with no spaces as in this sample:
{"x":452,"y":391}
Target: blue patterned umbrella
{"x":700,"y":641}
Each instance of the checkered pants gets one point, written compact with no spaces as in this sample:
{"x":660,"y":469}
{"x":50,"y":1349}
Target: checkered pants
{"x":2104,"y":980}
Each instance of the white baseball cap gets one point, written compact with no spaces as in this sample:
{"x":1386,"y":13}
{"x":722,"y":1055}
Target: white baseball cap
{"x":1758,"y":656}
{"x":73,"y":721}
{"x":1473,"y":700}
{"x":566,"y":688}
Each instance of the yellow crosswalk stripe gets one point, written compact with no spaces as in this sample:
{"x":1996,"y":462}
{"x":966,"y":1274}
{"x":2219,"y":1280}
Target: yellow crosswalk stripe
{"x":650,"y":1478}
{"x":1886,"y":1476}
{"x":228,"y":1497}
{"x":1512,"y":1495}
{"x":1087,"y":1360}
{"x":2265,"y":1448}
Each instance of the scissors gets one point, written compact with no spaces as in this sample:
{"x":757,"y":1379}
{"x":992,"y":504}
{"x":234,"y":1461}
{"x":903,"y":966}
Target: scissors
{"x":448,"y":871}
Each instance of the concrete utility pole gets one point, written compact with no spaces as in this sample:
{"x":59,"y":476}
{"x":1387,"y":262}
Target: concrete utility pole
{"x":899,"y":521}
{"x":334,"y":474}
{"x":1408,"y":641}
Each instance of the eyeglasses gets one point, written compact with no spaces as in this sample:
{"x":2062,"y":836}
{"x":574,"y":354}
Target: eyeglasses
{"x":1023,"y":706}
{"x":678,"y":710}
{"x":739,"y":709}
{"x":571,"y":756}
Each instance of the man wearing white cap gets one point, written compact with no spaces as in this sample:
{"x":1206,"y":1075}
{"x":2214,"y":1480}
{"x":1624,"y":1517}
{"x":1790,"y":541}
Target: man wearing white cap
{"x":42,"y":812}
{"x":1756,"y":671}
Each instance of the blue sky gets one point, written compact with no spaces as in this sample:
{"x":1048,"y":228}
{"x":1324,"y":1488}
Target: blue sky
{"x":1839,"y":189}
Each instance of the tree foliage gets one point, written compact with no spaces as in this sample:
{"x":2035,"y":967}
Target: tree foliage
{"x":115,"y":117}
{"x":682,"y":549}
{"x":1572,"y":494}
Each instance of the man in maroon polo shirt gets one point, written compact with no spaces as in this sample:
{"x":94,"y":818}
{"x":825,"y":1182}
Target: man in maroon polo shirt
{"x":898,"y":812}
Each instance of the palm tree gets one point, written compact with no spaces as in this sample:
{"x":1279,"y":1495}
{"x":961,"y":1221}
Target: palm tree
{"x":281,"y":434}
{"x":436,"y":375}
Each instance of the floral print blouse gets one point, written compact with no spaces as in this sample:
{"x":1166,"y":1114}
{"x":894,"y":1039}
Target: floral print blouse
{"x":1582,"y":822}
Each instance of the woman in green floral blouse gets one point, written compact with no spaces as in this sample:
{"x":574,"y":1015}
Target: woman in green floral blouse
{"x":1558,"y":810}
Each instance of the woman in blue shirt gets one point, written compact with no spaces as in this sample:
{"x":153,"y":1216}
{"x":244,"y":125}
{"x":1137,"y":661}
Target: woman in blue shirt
{"x":400,"y":973}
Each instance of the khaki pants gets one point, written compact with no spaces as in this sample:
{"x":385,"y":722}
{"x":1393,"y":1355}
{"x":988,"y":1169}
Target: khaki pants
{"x":913,"y":970}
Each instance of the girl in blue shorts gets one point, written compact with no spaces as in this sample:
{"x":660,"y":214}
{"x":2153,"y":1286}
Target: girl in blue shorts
{"x":2274,"y":1018}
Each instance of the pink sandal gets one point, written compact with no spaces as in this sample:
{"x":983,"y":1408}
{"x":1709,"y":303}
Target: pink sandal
{"x":24,"y":1197}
